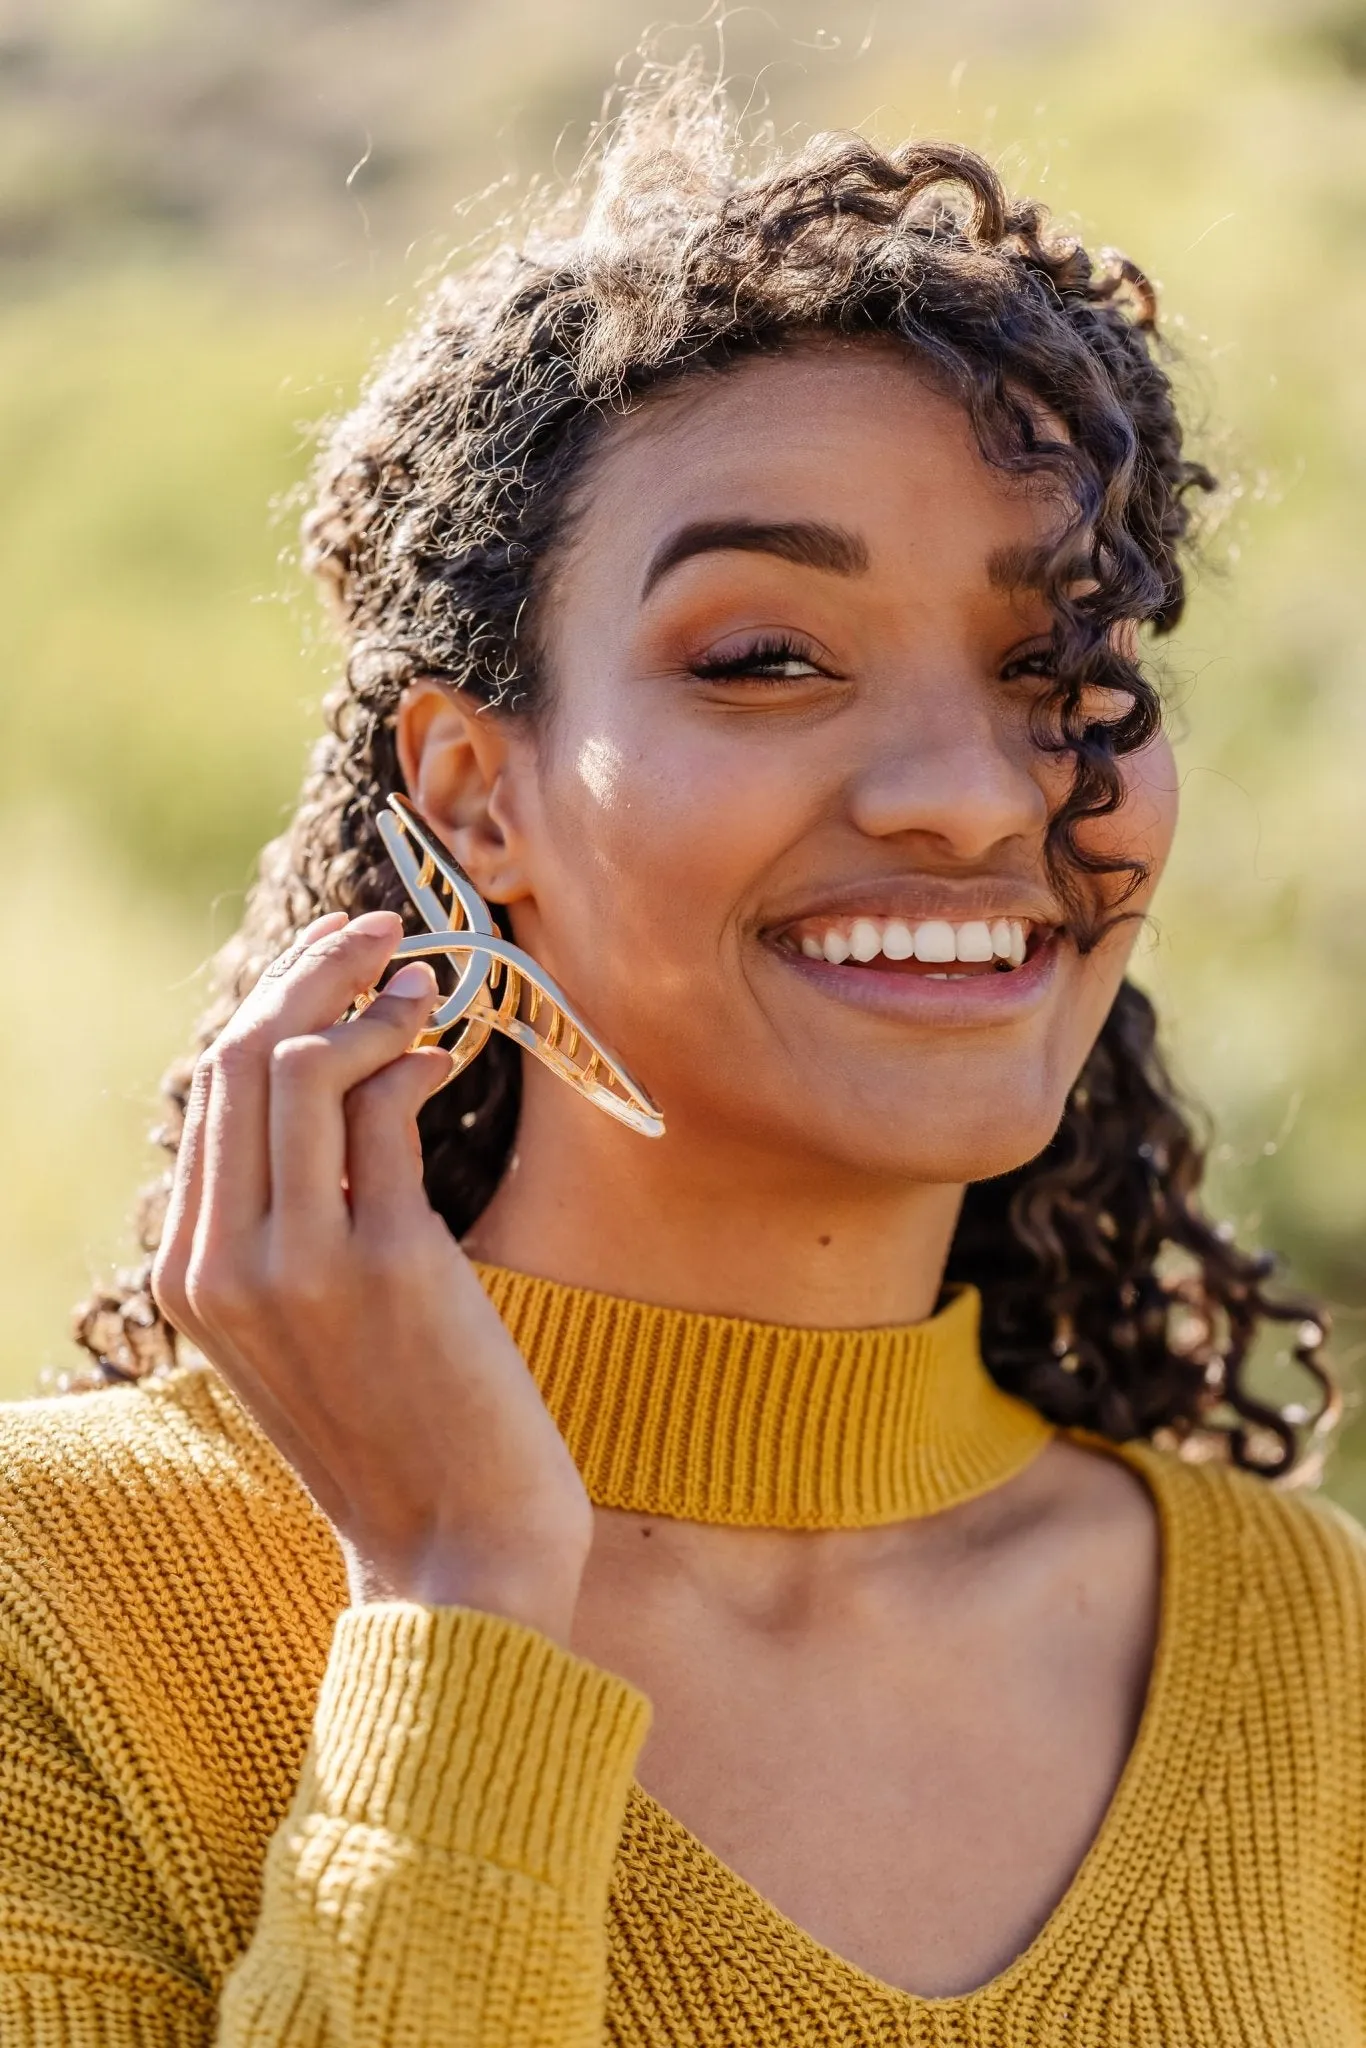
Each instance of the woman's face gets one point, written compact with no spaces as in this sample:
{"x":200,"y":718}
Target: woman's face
{"x":781,"y":833}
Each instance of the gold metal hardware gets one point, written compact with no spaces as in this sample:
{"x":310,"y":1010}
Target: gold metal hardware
{"x":498,"y":986}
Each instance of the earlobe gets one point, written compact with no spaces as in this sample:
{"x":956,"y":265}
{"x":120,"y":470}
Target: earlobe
{"x":454,"y":755}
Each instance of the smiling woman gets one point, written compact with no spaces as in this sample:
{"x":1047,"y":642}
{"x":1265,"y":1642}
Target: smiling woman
{"x":746,"y":590}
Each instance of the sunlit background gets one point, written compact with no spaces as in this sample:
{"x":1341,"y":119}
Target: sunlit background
{"x":213,"y":211}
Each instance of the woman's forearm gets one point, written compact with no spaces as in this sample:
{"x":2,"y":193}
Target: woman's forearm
{"x":443,"y":1874}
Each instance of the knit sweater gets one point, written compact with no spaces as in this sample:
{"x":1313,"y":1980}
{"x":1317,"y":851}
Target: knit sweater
{"x":231,"y":1809}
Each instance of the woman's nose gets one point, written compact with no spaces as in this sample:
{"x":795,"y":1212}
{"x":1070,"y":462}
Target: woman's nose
{"x":957,"y":776}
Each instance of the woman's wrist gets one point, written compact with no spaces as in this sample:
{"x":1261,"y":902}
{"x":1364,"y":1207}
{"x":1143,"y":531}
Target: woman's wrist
{"x":539,"y":1588}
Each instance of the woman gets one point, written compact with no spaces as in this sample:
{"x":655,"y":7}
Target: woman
{"x":746,"y":589}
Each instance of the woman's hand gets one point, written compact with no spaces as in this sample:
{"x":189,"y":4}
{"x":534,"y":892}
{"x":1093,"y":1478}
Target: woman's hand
{"x":301,"y":1255}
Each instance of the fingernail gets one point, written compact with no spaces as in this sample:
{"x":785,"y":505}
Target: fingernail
{"x":416,"y":979}
{"x":376,"y":923}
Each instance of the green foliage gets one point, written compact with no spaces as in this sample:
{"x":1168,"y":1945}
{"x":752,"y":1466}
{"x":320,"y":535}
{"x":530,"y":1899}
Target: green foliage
{"x":153,"y":651}
{"x":159,"y":675}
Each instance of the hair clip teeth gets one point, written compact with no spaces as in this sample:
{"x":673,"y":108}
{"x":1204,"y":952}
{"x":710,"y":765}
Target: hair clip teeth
{"x":527,"y":1007}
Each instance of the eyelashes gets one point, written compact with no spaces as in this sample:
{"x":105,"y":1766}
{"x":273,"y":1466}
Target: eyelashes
{"x":1039,"y":663}
{"x":779,"y":658}
{"x":774,"y":660}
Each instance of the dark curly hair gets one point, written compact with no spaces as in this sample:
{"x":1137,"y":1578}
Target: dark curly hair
{"x":1110,"y":1302}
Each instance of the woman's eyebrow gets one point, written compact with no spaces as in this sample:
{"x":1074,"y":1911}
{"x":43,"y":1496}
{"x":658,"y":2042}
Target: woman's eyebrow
{"x":808,"y":542}
{"x":1017,"y":568}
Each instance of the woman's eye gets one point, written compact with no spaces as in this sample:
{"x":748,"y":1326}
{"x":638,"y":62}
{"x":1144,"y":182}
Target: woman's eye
{"x":771,"y":662}
{"x":1040,"y":661}
{"x":791,"y":666}
{"x":1096,"y":703}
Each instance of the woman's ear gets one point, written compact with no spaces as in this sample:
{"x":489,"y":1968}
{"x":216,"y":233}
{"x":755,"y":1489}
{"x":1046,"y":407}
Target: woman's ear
{"x":454,"y":756}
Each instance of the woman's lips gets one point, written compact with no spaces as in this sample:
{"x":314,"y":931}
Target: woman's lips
{"x":933,"y":941}
{"x":949,"y":992}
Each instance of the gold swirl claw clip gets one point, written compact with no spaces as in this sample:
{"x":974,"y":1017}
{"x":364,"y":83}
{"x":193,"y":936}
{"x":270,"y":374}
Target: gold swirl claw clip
{"x":498,"y":987}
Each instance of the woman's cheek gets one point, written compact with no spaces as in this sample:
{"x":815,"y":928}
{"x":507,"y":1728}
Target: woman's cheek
{"x":705,"y":812}
{"x":1146,"y":821}
{"x":1144,"y":825}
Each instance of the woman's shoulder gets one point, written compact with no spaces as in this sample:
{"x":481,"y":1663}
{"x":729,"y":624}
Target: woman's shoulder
{"x":178,"y":1433}
{"x":1267,"y":1520}
{"x":165,"y":1421}
{"x":1286,"y":1562}
{"x":163,"y":1493}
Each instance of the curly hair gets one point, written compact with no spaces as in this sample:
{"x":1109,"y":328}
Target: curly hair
{"x":1109,"y":1300}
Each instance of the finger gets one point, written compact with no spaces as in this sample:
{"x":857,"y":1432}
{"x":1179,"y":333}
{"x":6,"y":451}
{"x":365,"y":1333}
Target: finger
{"x":311,"y":1076}
{"x":383,"y":1150}
{"x":315,"y":979}
{"x":304,"y":991}
{"x":275,"y":970}
{"x":170,"y":1265}
{"x":329,"y":921}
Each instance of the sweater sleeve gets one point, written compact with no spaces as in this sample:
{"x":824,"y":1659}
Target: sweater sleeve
{"x":442,"y":1876}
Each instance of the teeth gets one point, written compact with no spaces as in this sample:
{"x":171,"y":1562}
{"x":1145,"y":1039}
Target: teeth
{"x":865,"y":940}
{"x":934,"y":941}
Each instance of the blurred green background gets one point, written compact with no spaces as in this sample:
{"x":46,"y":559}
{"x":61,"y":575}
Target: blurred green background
{"x":213,"y":211}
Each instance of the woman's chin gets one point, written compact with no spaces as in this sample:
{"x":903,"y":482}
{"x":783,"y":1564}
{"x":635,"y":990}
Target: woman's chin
{"x":962,"y":1157}
{"x":896,"y":1140}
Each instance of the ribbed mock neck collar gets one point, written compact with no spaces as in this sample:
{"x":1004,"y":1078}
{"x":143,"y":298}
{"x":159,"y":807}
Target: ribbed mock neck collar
{"x":756,"y":1425}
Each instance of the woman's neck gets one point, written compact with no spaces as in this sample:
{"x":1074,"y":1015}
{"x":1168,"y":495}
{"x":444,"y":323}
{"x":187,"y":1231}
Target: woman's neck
{"x":714,"y":1225}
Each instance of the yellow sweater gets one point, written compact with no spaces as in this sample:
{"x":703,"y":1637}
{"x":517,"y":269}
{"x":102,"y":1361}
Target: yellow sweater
{"x":230,"y":1811}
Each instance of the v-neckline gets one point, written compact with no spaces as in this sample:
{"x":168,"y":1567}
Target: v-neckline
{"x":1155,"y":1747}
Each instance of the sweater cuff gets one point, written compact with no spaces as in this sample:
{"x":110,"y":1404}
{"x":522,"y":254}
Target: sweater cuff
{"x":464,"y":1731}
